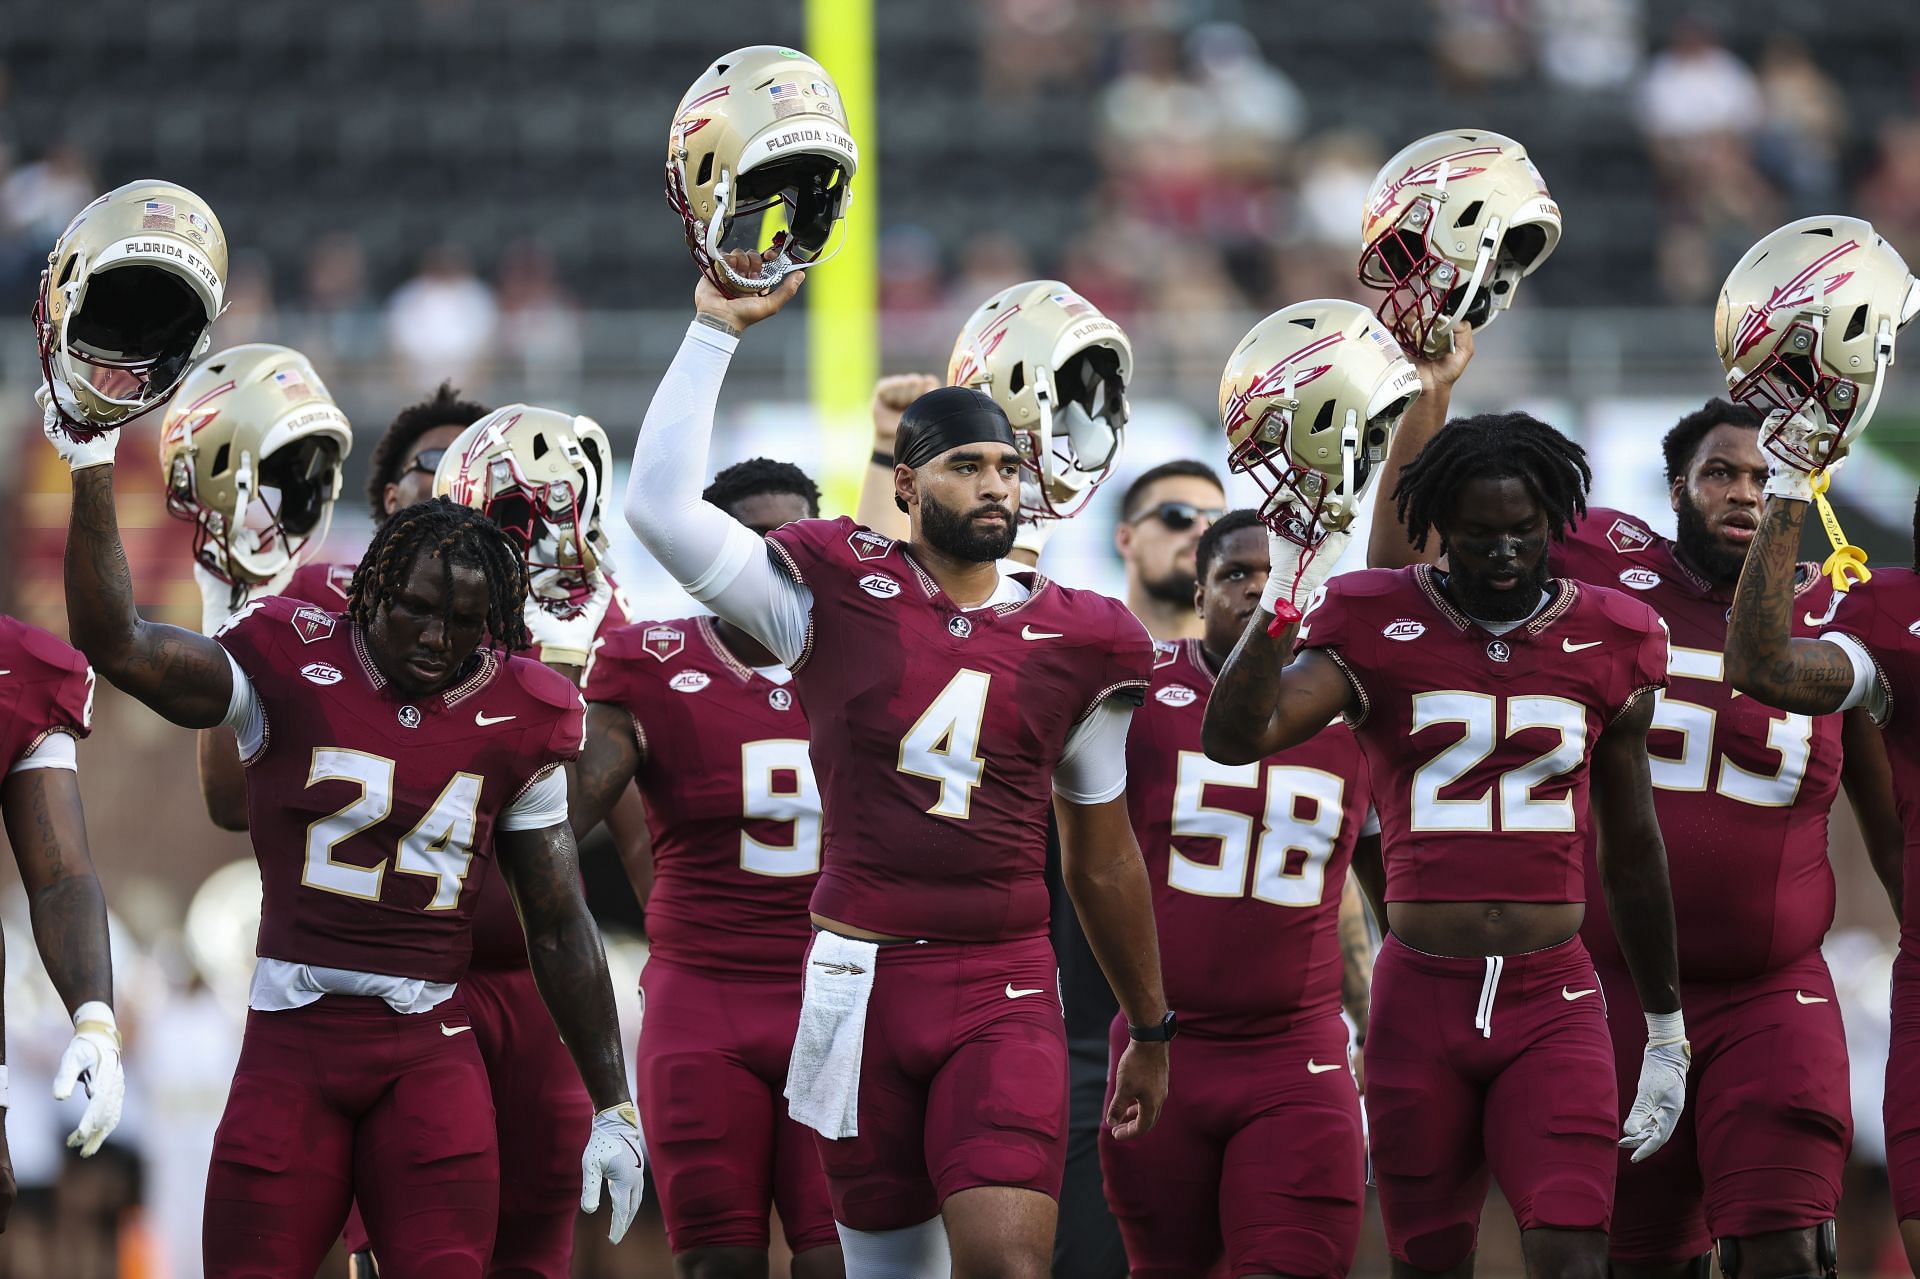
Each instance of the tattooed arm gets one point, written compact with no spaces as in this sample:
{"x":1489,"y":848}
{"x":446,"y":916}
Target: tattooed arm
{"x":181,"y":674}
{"x":1263,"y":703}
{"x":1764,"y":660}
{"x":41,"y":807}
{"x":542,"y":868}
{"x":602,"y":780}
{"x":1356,"y":953}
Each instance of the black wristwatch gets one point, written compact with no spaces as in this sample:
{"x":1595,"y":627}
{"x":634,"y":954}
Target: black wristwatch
{"x":1169,"y":1027}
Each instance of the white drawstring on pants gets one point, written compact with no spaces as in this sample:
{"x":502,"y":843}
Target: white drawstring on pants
{"x":1483,"y":1019}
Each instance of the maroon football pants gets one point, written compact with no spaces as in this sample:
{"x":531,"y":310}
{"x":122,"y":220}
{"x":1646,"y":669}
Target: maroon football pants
{"x":347,"y":1098}
{"x":541,"y":1115}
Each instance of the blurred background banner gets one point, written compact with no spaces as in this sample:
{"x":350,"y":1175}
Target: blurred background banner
{"x":417,"y":190}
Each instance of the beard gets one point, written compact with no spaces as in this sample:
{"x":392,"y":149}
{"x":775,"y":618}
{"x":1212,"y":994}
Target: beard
{"x":954,"y":534}
{"x":1514,"y":604}
{"x":1720,"y":562}
{"x":1172,"y":587}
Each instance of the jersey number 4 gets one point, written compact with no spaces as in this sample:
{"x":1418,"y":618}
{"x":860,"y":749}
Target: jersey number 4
{"x":944,"y":743}
{"x":440,"y":846}
{"x":1291,"y":868}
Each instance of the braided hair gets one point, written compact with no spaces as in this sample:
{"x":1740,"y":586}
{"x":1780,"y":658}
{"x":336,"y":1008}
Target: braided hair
{"x":448,"y":532}
{"x":1493,"y":446}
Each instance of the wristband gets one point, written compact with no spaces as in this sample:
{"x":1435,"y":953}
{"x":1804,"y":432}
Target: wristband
{"x":1666,"y":1028}
{"x":1788,"y":482}
{"x":881,"y":458}
{"x":1168,"y":1027}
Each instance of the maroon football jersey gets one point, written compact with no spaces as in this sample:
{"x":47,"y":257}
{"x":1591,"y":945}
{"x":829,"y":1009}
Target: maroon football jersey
{"x":1478,"y":743}
{"x":372,"y":813}
{"x":1247,"y":860}
{"x":731,"y":801}
{"x":499,"y":941}
{"x":1884,"y":615}
{"x":45,"y":687}
{"x":1742,"y":789}
{"x":936,"y":731}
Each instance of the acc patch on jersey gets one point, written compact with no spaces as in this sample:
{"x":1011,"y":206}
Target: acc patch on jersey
{"x":664,"y":642}
{"x":1405,"y":629}
{"x":869,"y":545}
{"x":1640,"y":579}
{"x":880,"y":586}
{"x":321,"y":672}
{"x":1177,"y":695}
{"x":1627,"y":538}
{"x":312,"y":624}
{"x":689,"y":681}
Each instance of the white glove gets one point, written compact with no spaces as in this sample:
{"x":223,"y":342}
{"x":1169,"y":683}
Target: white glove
{"x":92,"y":1058}
{"x":1296,"y":573}
{"x":1800,"y":446}
{"x":79,"y":454}
{"x":1663,"y":1086}
{"x":613,"y":1155}
{"x":563,"y":630}
{"x":217,"y":598}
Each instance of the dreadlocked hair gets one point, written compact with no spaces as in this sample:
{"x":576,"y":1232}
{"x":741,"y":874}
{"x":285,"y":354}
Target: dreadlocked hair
{"x":448,"y":532}
{"x":1493,"y":446}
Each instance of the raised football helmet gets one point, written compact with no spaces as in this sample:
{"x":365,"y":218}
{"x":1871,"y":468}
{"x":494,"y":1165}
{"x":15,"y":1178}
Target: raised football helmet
{"x":1310,"y":400}
{"x":251,"y":451}
{"x":127,"y":301}
{"x":534,"y":473}
{"x":1451,"y":226}
{"x":762,"y":126}
{"x":1059,"y":370}
{"x":1806,"y":324}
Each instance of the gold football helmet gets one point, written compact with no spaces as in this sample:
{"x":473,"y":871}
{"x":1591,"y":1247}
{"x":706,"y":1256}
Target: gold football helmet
{"x":253,"y":424}
{"x":126,"y":302}
{"x":762,"y":126}
{"x":1806,"y":324}
{"x":1059,"y":370}
{"x":1310,"y":400}
{"x":1451,"y":226}
{"x":534,"y":473}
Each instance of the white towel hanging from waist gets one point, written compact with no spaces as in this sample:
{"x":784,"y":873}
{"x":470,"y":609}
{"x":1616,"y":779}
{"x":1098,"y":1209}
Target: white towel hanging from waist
{"x":823,"y":1075}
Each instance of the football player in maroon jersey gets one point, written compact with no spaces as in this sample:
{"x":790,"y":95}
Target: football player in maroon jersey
{"x":705,"y":718}
{"x":1488,"y":748}
{"x":539,"y":1101}
{"x":46,"y":690}
{"x":956,"y":698}
{"x":1753,"y":891}
{"x":1258,"y":1157}
{"x":393,"y":753}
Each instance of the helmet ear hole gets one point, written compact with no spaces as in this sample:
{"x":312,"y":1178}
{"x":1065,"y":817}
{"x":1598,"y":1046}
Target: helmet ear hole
{"x":706,"y":170}
{"x":1857,"y":325}
{"x":66,"y":269}
{"x":221,"y":457}
{"x":1470,"y":214}
{"x":1324,"y":418}
{"x":1017,"y":379}
{"x":540,"y":446}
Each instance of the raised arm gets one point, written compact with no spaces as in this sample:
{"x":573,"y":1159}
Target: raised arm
{"x":891,"y":396}
{"x":1106,"y":877}
{"x":183,"y":676}
{"x":1263,"y":702}
{"x":1764,"y":659}
{"x":1387,"y":545}
{"x":720,"y":561}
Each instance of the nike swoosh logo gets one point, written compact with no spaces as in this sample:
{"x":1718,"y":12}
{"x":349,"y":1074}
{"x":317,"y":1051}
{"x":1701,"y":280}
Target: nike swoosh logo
{"x":1028,"y":633}
{"x":1568,"y":646}
{"x":1811,"y":619}
{"x":1805,"y":998}
{"x":451,"y":1031}
{"x":1315,"y":1068}
{"x":483,"y":719}
{"x":1015,"y":993}
{"x":1571,"y":995}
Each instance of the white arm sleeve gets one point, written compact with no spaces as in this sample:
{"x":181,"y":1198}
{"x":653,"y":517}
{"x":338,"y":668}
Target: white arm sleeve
{"x":1866,"y":676}
{"x":246,"y":716}
{"x":1093,"y":764}
{"x":540,"y":805}
{"x":1372,"y":825}
{"x":721,"y":562}
{"x":55,"y":750}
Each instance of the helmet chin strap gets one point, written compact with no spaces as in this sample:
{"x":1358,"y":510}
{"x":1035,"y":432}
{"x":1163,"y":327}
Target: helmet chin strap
{"x":1339,"y":504}
{"x":1488,"y":252}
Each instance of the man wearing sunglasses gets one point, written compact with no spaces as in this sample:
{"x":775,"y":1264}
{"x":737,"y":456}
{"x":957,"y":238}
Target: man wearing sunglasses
{"x":1162,"y":518}
{"x":539,"y":1098}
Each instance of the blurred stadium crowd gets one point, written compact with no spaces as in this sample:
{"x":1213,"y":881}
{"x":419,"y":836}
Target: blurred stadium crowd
{"x":469,"y":190}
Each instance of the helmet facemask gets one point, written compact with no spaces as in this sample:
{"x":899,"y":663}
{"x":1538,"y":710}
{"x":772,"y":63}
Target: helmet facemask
{"x":1305,"y":503}
{"x":548,"y":523}
{"x":1425,"y":294}
{"x":125,"y":346}
{"x":1078,"y":440}
{"x":813,"y":190}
